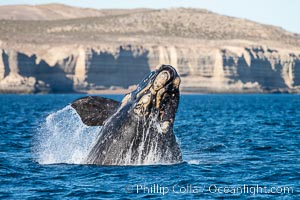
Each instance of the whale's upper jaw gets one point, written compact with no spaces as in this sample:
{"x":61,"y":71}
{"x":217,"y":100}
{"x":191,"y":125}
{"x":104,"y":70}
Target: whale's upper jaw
{"x":157,"y":96}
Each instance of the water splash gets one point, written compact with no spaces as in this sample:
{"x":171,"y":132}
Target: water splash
{"x":148,"y":152}
{"x":63,"y":138}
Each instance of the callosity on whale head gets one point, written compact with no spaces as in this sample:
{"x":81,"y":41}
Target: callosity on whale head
{"x":140,"y":129}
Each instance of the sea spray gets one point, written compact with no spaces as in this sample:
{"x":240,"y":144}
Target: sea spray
{"x":148,"y":152}
{"x":63,"y":138}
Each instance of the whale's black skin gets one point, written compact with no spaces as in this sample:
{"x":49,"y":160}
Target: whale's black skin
{"x":139,"y":130}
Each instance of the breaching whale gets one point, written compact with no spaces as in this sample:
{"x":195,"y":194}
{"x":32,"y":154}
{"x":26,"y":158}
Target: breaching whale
{"x":139,"y":129}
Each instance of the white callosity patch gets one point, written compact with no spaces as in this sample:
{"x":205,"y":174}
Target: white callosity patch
{"x":63,"y":138}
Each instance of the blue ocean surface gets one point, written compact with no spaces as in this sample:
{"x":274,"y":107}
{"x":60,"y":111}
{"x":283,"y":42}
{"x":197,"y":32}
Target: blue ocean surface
{"x":234,"y":147}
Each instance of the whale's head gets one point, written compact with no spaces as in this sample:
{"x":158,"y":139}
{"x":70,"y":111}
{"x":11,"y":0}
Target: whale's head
{"x":138,"y":130}
{"x":156,"y":97}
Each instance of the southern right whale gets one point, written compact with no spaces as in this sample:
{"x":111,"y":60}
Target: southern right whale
{"x":138,"y":130}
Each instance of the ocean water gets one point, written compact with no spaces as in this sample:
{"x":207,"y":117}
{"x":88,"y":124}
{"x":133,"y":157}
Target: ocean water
{"x":234,"y":147}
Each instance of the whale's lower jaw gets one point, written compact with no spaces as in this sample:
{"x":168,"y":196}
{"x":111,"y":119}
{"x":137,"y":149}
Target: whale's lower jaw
{"x":141,"y":143}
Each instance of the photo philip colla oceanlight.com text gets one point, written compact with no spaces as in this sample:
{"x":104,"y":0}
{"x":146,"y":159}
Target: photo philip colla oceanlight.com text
{"x":215,"y":189}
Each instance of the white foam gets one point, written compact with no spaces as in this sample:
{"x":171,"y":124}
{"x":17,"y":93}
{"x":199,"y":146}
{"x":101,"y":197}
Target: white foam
{"x":194,"y":162}
{"x":63,"y":138}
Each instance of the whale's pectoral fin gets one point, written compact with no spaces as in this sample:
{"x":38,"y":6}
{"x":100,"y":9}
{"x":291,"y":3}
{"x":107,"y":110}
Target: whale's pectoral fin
{"x":94,"y":110}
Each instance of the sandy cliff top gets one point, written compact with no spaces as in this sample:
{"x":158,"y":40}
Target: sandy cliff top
{"x":71,"y":25}
{"x":54,"y":12}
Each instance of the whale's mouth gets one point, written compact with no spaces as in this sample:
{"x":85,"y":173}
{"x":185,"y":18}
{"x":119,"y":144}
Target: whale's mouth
{"x":157,"y":96}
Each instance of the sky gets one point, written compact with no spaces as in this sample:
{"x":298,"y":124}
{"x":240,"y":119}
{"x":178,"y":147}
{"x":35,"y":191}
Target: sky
{"x":282,"y":13}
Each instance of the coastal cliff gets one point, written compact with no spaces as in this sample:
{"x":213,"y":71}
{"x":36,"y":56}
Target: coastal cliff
{"x":87,"y":54}
{"x":202,"y":69}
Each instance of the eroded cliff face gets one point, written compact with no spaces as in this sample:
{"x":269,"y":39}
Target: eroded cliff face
{"x":239,"y":69}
